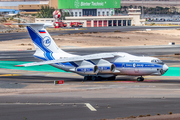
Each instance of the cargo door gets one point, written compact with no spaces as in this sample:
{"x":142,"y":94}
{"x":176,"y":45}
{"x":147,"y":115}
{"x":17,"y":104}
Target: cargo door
{"x":88,"y":23}
{"x":105,"y":23}
{"x":100,"y":23}
{"x":95,"y":23}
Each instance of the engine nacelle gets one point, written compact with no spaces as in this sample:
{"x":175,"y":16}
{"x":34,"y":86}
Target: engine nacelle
{"x":107,"y":68}
{"x":89,"y":70}
{"x":104,"y":66}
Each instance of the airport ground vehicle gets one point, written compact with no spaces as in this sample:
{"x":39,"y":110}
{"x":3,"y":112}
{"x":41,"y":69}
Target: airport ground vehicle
{"x":76,"y":24}
{"x":62,"y":24}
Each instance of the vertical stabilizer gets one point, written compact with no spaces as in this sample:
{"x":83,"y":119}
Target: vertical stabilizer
{"x":45,"y":46}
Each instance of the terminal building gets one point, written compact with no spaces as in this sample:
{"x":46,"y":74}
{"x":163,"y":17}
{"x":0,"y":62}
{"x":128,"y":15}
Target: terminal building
{"x":132,"y":19}
{"x":95,"y":13}
{"x":92,"y":13}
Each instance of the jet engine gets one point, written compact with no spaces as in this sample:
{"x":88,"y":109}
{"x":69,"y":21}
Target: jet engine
{"x":104,"y":66}
{"x":107,"y":68}
{"x":90,"y":70}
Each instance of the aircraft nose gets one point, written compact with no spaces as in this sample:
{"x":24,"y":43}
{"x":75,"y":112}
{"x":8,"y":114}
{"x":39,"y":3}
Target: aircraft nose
{"x":165,"y":68}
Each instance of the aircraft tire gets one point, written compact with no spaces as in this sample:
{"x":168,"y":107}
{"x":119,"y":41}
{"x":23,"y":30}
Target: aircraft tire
{"x":140,"y":79}
{"x":112,"y":78}
{"x":87,"y":78}
{"x":94,"y":78}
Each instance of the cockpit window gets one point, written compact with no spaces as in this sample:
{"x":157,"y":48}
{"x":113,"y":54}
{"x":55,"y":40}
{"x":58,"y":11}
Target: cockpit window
{"x":157,"y":61}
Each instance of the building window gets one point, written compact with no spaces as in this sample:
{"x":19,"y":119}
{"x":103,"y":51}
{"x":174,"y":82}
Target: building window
{"x":112,"y":13}
{"x":98,"y":13}
{"x":76,"y":14}
{"x":79,"y":14}
{"x":103,"y":13}
{"x":72,"y":14}
{"x":107,"y":13}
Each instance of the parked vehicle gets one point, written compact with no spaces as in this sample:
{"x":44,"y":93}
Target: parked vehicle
{"x":76,"y":24}
{"x":62,"y":24}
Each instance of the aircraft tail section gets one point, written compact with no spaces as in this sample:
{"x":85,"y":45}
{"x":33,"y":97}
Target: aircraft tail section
{"x":46,"y":48}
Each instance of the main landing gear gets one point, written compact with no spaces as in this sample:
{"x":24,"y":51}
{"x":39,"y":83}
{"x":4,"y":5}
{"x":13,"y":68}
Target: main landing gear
{"x":94,"y":78}
{"x":140,"y":79}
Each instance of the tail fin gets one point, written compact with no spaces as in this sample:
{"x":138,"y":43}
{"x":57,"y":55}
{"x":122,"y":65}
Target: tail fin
{"x":45,"y":46}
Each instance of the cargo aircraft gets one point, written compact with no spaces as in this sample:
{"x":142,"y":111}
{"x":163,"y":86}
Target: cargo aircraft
{"x":94,"y":66}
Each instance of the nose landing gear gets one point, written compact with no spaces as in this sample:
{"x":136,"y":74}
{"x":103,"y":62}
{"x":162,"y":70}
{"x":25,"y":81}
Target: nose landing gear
{"x":140,"y":79}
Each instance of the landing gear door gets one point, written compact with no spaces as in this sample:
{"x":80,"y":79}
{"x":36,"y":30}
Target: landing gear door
{"x":136,"y":69}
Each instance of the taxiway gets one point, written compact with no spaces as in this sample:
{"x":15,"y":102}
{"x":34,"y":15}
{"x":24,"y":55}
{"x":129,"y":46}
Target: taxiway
{"x":32,"y":94}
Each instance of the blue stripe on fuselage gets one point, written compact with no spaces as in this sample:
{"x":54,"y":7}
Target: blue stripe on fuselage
{"x":136,"y":65}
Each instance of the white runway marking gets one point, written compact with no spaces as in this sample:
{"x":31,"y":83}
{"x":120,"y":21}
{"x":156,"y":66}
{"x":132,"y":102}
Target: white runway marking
{"x":90,"y":107}
{"x":87,"y":104}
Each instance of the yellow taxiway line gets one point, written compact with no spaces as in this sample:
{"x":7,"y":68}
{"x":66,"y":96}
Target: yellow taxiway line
{"x":10,"y":75}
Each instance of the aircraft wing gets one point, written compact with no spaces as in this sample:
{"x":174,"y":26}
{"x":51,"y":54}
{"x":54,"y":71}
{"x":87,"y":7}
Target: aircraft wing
{"x":72,"y":59}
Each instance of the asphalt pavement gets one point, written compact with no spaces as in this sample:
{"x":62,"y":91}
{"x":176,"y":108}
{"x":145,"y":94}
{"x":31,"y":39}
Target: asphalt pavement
{"x":85,"y":100}
{"x":24,"y":35}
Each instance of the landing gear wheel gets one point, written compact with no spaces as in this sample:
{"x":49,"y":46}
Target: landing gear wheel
{"x":87,"y":78}
{"x":112,"y":78}
{"x":94,"y":78}
{"x":140,"y":79}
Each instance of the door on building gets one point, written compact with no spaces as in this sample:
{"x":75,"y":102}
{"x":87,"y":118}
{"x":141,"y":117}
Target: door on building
{"x":114,"y":23}
{"x":129,"y":22}
{"x":124,"y":22}
{"x":119,"y":22}
{"x":95,"y":23}
{"x":89,"y":12}
{"x":105,"y":23}
{"x":109,"y":22}
{"x":100,"y":23}
{"x":88,"y":23}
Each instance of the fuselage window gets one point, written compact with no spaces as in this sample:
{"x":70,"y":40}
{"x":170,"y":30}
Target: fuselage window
{"x":157,"y":61}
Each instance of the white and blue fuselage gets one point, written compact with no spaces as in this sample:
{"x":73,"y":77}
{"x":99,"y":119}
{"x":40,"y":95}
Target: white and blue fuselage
{"x":104,"y":65}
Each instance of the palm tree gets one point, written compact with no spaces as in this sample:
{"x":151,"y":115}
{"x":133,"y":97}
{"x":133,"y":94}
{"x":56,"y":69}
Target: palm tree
{"x":45,"y":12}
{"x":130,"y":6}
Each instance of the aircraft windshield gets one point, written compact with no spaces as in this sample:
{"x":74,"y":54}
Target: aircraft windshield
{"x":157,"y":61}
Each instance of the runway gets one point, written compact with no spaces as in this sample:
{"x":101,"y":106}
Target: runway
{"x":32,"y":94}
{"x":15,"y":36}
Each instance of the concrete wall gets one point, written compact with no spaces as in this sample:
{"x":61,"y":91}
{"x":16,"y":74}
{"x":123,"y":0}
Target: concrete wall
{"x":53,"y":3}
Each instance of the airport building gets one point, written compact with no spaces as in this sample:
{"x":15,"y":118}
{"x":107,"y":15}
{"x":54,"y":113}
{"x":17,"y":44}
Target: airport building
{"x":132,"y":19}
{"x":79,"y":8}
{"x":95,"y":13}
{"x":92,"y":13}
{"x":76,"y":8}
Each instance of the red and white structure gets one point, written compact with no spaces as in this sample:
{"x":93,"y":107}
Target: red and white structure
{"x":56,"y":15}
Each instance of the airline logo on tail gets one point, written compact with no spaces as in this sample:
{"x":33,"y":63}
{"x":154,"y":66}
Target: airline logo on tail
{"x":46,"y":41}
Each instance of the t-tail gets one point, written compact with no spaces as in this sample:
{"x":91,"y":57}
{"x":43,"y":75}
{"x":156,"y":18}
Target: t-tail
{"x":46,"y":48}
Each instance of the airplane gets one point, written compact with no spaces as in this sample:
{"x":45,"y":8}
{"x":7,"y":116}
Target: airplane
{"x":94,"y":66}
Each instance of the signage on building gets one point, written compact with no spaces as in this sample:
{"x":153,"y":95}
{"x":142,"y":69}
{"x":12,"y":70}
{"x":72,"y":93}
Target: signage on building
{"x":88,"y":4}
